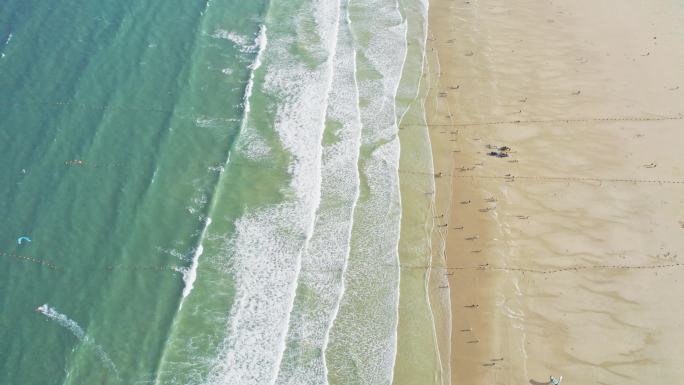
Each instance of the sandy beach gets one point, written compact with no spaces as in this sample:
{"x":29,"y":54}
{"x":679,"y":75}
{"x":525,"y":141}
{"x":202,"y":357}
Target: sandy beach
{"x":556,"y":130}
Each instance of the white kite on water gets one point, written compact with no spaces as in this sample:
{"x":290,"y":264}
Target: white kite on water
{"x":77,"y":331}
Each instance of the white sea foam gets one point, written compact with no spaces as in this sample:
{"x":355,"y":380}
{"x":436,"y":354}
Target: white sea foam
{"x":243,"y":43}
{"x":79,"y":333}
{"x":261,"y":42}
{"x":324,"y":260}
{"x":190,"y":273}
{"x":362,"y":345}
{"x":267,"y":246}
{"x":205,"y":122}
{"x":5,"y":44}
{"x":251,"y":145}
{"x":239,"y":40}
{"x":172,"y":252}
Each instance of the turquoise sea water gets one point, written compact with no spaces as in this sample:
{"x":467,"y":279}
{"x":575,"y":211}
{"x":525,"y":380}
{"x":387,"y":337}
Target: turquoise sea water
{"x":211,"y":190}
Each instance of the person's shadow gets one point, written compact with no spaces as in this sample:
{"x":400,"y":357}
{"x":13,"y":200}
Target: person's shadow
{"x":533,"y":382}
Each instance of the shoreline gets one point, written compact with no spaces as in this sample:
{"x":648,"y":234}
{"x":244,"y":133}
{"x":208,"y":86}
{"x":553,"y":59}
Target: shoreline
{"x":418,"y":358}
{"x":563,"y":255}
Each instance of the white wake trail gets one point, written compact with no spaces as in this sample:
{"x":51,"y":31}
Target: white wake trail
{"x":79,"y":333}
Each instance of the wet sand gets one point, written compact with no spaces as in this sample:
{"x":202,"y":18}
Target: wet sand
{"x":566,"y":257}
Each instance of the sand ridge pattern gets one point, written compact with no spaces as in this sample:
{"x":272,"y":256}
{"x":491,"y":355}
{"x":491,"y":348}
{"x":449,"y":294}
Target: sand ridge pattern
{"x":556,"y":134}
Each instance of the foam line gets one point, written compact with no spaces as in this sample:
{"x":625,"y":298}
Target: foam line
{"x":362,"y":347}
{"x":261,"y":41}
{"x":267,"y":246}
{"x":354,"y":94}
{"x":190,"y":274}
{"x":324,"y":260}
{"x":331,"y":17}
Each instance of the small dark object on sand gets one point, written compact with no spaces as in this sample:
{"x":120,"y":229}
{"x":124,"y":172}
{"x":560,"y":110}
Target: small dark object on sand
{"x":498,"y":154}
{"x":504,"y":148}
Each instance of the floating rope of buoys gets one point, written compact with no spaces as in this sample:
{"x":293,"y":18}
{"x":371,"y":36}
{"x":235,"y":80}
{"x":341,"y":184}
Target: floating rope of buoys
{"x":487,"y":267}
{"x":128,"y":108}
{"x":74,"y":162}
{"x":544,"y":121}
{"x":132,"y":268}
{"x":573,"y":179}
{"x":513,"y":178}
{"x":26,"y":258}
{"x":484,"y":267}
{"x":23,"y":239}
{"x":216,"y":166}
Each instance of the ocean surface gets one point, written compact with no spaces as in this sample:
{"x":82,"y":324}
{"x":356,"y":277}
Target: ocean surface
{"x":213,"y":194}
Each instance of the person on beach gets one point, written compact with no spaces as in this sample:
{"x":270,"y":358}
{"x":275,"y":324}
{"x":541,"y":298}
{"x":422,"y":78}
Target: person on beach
{"x":556,"y":381}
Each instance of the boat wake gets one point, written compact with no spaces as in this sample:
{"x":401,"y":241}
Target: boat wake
{"x":71,"y":325}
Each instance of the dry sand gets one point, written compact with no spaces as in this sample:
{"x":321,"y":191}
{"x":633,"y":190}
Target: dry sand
{"x":567,"y":257}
